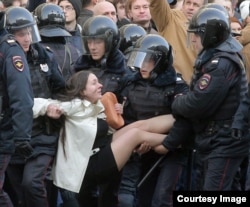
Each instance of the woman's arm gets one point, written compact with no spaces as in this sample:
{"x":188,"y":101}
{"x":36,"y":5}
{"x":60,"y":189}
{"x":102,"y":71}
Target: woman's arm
{"x":41,"y":105}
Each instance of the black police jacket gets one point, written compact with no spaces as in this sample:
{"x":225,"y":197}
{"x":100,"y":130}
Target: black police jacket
{"x":215,"y":97}
{"x":47,"y":81}
{"x":149,"y":98}
{"x":17,"y":94}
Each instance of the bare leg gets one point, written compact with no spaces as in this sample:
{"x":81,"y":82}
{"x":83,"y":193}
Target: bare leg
{"x":124,"y":145}
{"x":159,"y":124}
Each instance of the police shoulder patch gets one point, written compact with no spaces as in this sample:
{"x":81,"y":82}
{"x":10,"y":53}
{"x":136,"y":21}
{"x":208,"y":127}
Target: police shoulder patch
{"x":204,"y":81}
{"x":18,"y":62}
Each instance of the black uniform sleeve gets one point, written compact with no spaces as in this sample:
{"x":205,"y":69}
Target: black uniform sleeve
{"x":208,"y":93}
{"x":180,"y":134}
{"x":19,"y":91}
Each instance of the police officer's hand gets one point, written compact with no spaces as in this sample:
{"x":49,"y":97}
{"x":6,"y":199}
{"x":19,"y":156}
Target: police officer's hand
{"x":23,"y":148}
{"x":160,"y":149}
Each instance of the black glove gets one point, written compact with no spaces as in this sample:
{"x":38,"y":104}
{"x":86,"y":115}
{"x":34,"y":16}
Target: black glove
{"x":23,"y":148}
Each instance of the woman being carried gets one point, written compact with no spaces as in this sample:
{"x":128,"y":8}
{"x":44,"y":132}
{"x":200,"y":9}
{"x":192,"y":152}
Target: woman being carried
{"x":86,"y":153}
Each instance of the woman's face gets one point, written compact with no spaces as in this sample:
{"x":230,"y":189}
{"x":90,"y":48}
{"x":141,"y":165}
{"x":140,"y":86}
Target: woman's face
{"x":146,"y":68}
{"x":96,"y":48}
{"x":93,"y":90}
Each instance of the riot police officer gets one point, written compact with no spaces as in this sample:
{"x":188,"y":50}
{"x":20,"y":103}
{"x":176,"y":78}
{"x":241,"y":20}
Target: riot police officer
{"x":218,"y":102}
{"x":51,"y":24}
{"x":150,"y":94}
{"x":16,"y":103}
{"x":47,"y":81}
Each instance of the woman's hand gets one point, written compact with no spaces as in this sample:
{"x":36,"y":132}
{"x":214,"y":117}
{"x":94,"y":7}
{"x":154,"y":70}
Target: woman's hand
{"x":54,"y":111}
{"x":143,"y":148}
{"x":160,"y":149}
{"x":119,"y":108}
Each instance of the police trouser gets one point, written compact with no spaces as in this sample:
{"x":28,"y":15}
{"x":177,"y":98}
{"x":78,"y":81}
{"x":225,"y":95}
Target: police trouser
{"x":131,"y":173}
{"x":4,"y":198}
{"x":34,"y":182}
{"x":220,"y":172}
{"x":158,"y":188}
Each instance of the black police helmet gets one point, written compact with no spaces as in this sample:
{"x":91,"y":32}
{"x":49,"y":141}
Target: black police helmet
{"x":212,"y":25}
{"x":129,"y":34}
{"x":101,"y":27}
{"x":20,"y":18}
{"x":153,"y":47}
{"x":51,"y":20}
{"x":50,"y":14}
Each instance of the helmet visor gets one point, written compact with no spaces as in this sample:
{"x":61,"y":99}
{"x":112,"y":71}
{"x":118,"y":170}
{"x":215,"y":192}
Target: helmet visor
{"x":32,"y":31}
{"x":138,"y":58}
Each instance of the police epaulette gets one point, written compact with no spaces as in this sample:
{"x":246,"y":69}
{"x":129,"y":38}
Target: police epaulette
{"x":215,"y":61}
{"x":48,"y":49}
{"x":11,"y":41}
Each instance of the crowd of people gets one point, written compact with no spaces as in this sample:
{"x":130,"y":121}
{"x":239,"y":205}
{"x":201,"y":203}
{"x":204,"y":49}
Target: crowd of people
{"x":178,"y":72}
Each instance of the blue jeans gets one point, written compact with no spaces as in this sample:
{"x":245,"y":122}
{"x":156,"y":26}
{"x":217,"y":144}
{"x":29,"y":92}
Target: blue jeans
{"x":4,"y":198}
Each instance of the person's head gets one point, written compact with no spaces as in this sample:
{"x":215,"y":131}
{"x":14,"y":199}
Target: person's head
{"x":21,"y":23}
{"x":190,"y":7}
{"x":52,"y":1}
{"x":24,"y":3}
{"x":236,"y":27}
{"x":151,"y":55}
{"x":9,"y":3}
{"x":100,"y":37}
{"x":209,"y":28}
{"x":244,"y":10}
{"x":138,"y":12}
{"x":71,"y":8}
{"x":1,"y":6}
{"x":217,"y":6}
{"x":50,"y":20}
{"x":120,"y":9}
{"x":129,"y":34}
{"x":105,"y":8}
{"x":227,"y":4}
{"x":84,"y":85}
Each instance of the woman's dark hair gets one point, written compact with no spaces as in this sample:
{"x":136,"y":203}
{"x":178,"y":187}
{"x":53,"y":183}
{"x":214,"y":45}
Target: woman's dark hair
{"x":75,"y":85}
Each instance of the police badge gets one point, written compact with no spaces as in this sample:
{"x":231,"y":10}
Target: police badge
{"x":44,"y":67}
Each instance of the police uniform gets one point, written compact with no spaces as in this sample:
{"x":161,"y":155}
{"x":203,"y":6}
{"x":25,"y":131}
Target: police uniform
{"x":17,"y":102}
{"x":64,"y":52}
{"x":218,"y":105}
{"x":47,"y":81}
{"x":146,"y":99}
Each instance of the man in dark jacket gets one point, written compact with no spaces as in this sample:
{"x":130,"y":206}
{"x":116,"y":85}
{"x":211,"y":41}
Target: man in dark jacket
{"x":28,"y":174}
{"x":218,"y":102}
{"x":16,"y":98}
